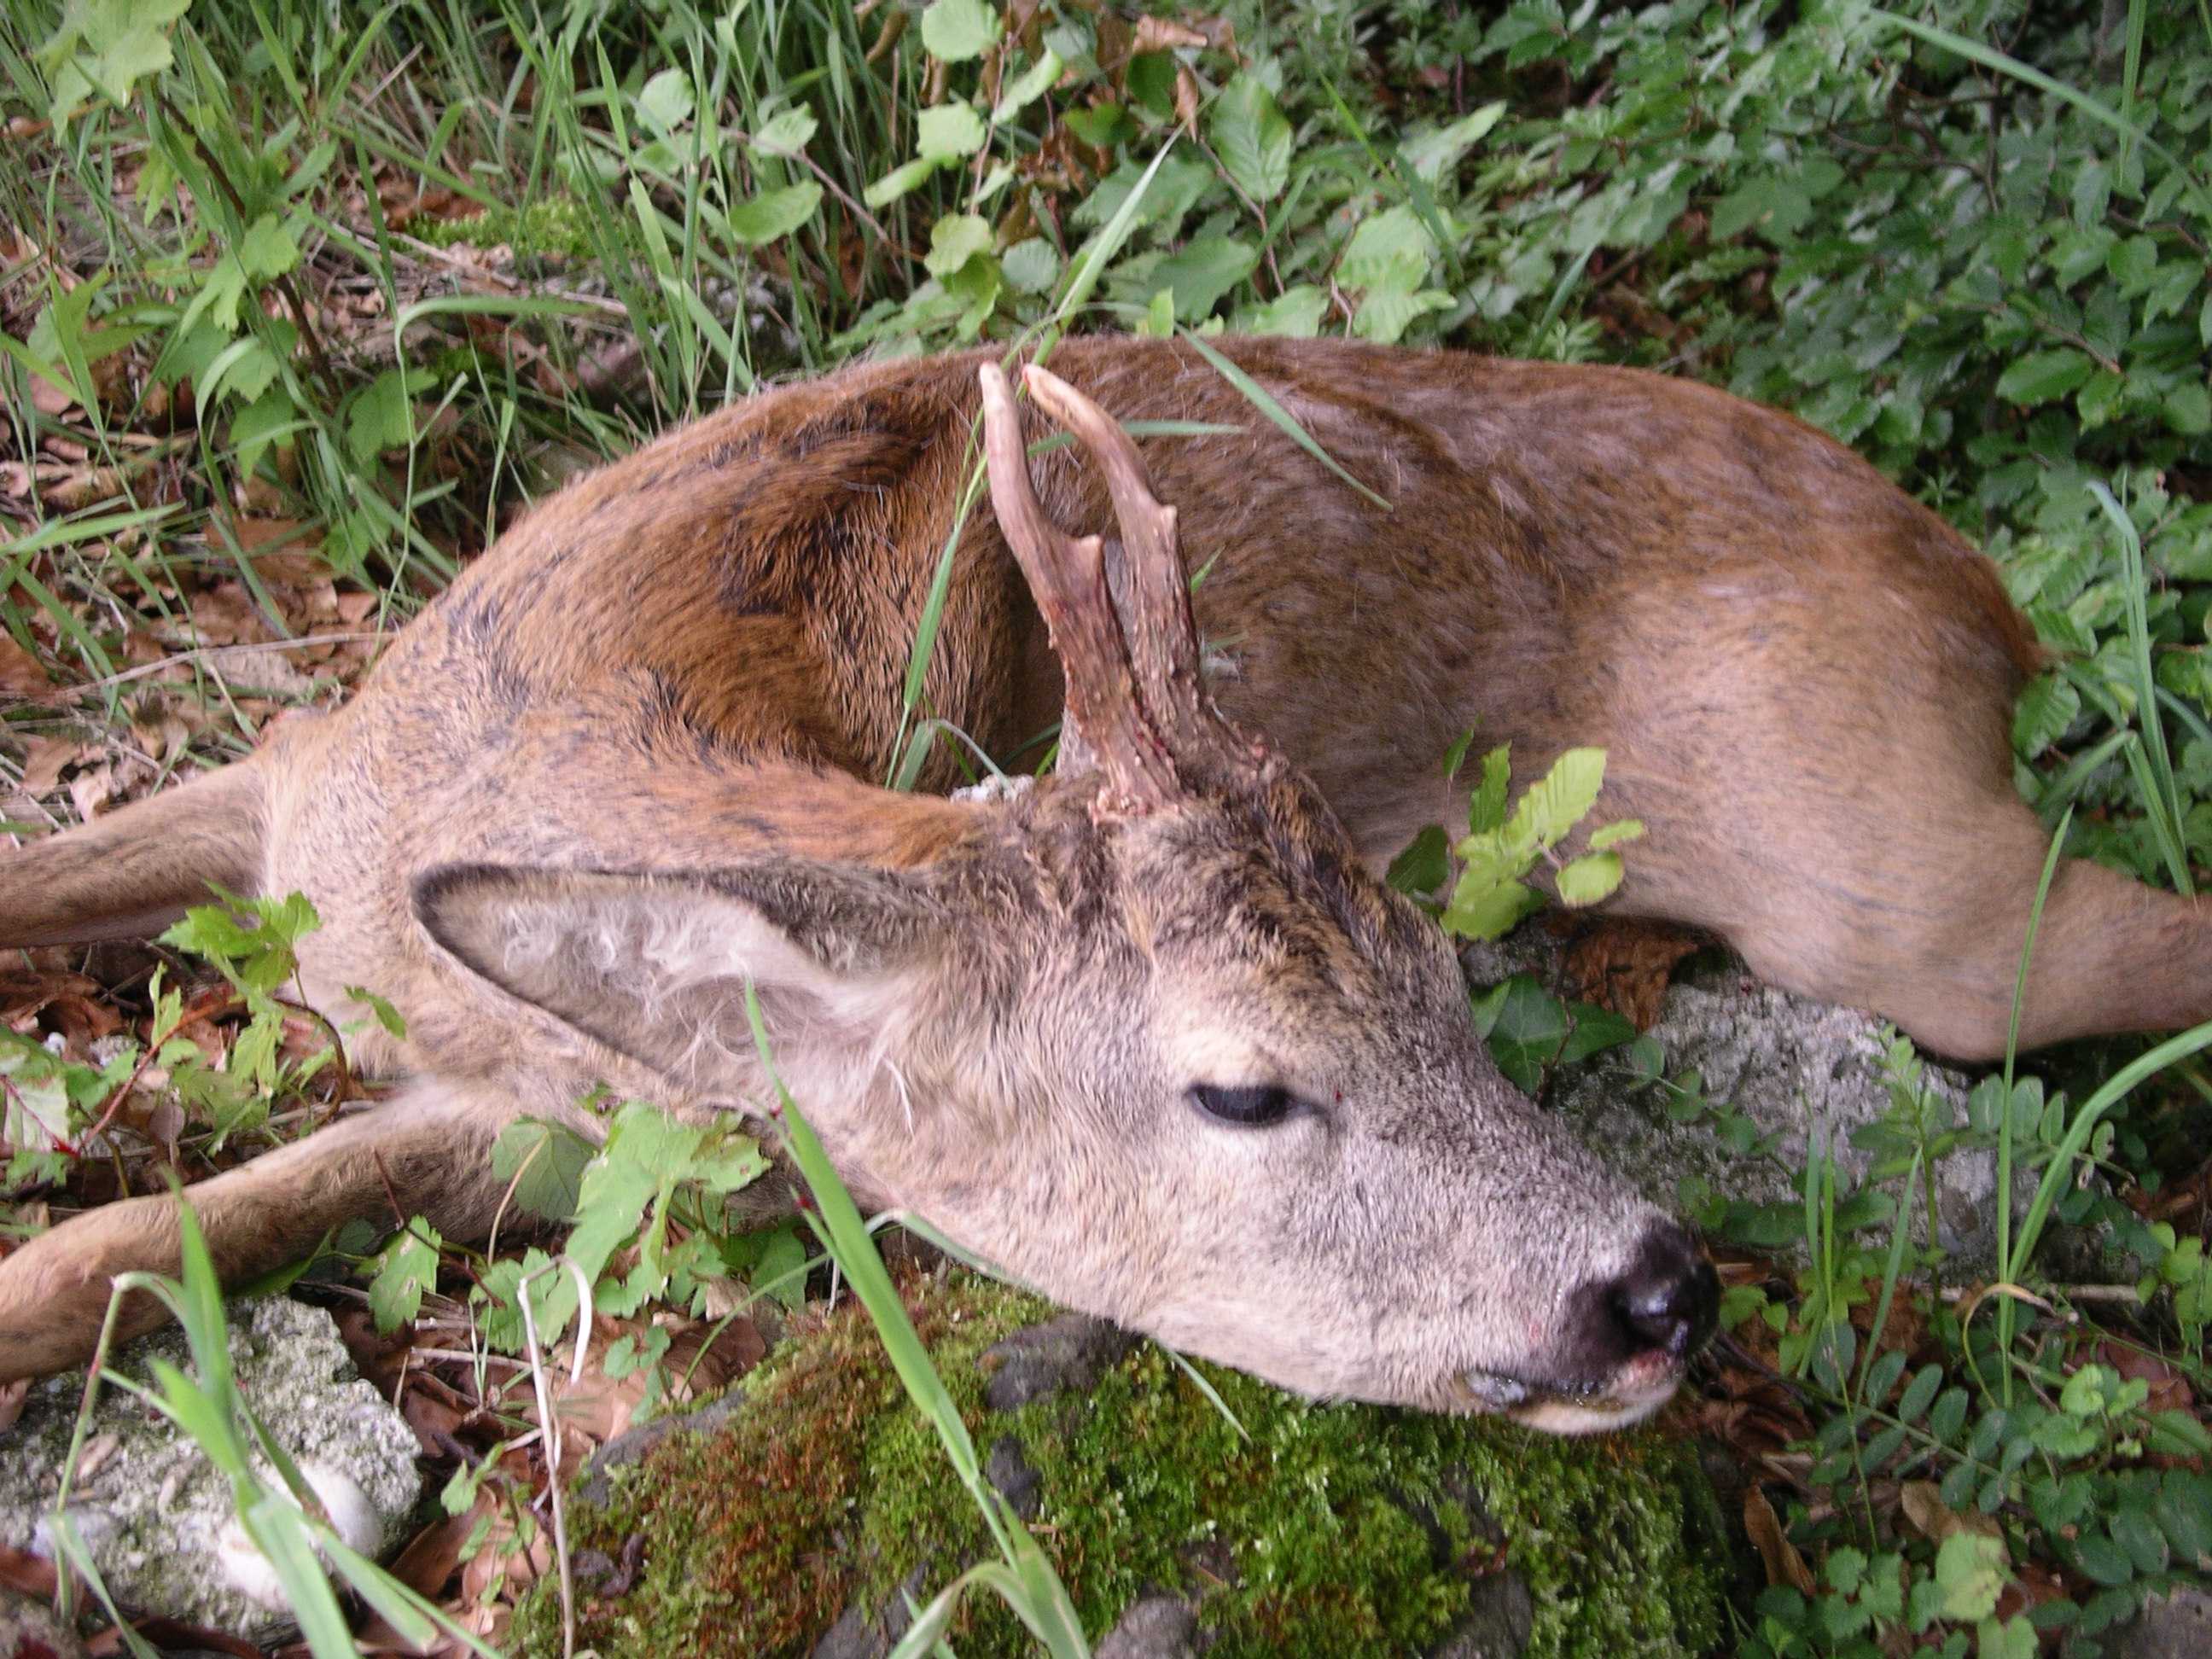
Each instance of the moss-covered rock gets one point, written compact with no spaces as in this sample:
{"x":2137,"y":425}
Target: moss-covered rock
{"x":1335,"y":1530}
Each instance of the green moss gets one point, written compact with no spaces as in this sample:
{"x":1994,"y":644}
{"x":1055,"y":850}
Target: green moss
{"x":1335,"y":1529}
{"x":555,"y":225}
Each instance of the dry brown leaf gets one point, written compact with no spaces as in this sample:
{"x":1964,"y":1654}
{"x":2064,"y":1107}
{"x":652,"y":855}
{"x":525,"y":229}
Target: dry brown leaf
{"x":1164,"y":34}
{"x":1784,"y":1565}
{"x":45,"y":760}
{"x":21,"y":674}
{"x":1623,"y":965}
{"x":1935,"y":1521}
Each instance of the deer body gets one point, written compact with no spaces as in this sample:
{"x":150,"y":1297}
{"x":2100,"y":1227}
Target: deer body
{"x":691,"y":662}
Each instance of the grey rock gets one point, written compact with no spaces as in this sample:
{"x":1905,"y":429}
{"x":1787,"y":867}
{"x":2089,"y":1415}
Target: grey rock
{"x":1501,"y":1616}
{"x":596,"y":1485}
{"x":860,"y":1634}
{"x":1785,"y":1061}
{"x":2176,"y":1626}
{"x":1010,"y":1472}
{"x":1156,"y":1627}
{"x":1071,"y":1351}
{"x":29,"y":1631}
{"x":157,"y":1517}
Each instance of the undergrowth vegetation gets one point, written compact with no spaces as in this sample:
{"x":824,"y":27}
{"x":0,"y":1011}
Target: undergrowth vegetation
{"x":299,"y":305}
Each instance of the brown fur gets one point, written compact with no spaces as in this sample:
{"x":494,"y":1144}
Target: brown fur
{"x":691,"y":662}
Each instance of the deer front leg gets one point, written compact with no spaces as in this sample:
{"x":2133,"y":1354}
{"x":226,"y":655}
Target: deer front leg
{"x":429,"y":1148}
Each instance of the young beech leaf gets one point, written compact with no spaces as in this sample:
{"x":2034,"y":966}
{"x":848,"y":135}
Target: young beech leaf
{"x":1487,"y":810}
{"x":1490,"y":912}
{"x":1556,"y":803}
{"x":1588,"y":879}
{"x":1620,"y":832}
{"x":773,"y":213}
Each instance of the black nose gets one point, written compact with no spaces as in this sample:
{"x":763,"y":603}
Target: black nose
{"x":1669,"y":1300}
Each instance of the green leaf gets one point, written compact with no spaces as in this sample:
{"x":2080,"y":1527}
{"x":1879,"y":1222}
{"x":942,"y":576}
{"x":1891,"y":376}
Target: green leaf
{"x":1203,"y":271}
{"x":386,"y":1015}
{"x":1391,"y":250}
{"x":955,"y":240}
{"x":665,"y":103}
{"x":1489,"y":910}
{"x":268,"y":249}
{"x":1252,"y":135}
{"x":1619,"y":833}
{"x":1422,"y":867}
{"x":899,"y":181}
{"x":405,"y":1267}
{"x":1564,"y":796}
{"x":954,"y":30}
{"x":2049,"y":706}
{"x":1970,"y":1571}
{"x":948,"y":131}
{"x":786,"y":132}
{"x":1596,"y":1030}
{"x":1485,"y":809}
{"x":1589,"y":880}
{"x":1430,"y":152}
{"x":2042,"y":376}
{"x":1295,"y":315}
{"x":1030,"y":266}
{"x":773,"y":213}
{"x":550,"y":1160}
{"x":1527,"y":1027}
{"x":1031,"y":84}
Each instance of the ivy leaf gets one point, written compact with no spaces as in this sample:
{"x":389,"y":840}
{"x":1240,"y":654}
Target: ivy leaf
{"x":954,"y":30}
{"x":773,"y":213}
{"x":1252,"y":135}
{"x":1526,"y":1027}
{"x":2041,"y":376}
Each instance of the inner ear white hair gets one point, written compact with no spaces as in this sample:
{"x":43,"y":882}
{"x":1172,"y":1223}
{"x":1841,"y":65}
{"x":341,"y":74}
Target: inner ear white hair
{"x":654,"y":966}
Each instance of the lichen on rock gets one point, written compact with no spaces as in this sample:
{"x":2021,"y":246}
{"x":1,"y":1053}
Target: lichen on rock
{"x":159,"y":1518}
{"x":803,"y":1522}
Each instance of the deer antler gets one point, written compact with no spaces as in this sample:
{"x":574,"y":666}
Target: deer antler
{"x":1133,"y":680}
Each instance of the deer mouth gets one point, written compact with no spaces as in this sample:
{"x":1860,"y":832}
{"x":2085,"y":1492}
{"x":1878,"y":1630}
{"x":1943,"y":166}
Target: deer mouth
{"x":1634,"y":1391}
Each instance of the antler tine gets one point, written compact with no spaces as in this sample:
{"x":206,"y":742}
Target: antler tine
{"x":1067,"y":577}
{"x":1163,"y":636}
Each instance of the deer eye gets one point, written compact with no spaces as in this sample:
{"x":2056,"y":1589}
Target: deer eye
{"x":1254,"y":1106}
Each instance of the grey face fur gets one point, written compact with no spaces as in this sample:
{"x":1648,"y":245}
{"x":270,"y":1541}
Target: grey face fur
{"x":1031,"y":1043}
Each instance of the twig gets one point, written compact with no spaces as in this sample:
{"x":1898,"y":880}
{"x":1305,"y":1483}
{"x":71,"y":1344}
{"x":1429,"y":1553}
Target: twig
{"x":211,"y":652}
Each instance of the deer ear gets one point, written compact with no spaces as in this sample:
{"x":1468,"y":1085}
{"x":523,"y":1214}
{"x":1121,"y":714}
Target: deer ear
{"x":654,"y":966}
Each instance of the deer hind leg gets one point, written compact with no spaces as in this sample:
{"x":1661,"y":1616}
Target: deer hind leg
{"x":428,"y":1149}
{"x":1927,"y":932}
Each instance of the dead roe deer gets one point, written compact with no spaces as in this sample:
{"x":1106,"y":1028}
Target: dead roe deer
{"x":1153,"y":1036}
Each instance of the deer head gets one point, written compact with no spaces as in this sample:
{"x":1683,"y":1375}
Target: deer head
{"x":1149,"y":1036}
